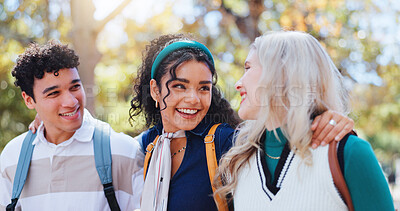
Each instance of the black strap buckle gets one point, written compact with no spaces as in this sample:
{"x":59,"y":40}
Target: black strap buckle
{"x":11,"y":207}
{"x":110,"y":195}
{"x":108,"y":189}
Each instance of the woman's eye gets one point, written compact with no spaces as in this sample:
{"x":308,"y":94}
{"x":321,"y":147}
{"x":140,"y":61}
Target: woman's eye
{"x":179,"y":86}
{"x":246,"y":69}
{"x":205,"y":88}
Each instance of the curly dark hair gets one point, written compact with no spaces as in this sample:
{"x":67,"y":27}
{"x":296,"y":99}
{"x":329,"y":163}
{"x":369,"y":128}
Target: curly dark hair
{"x":38,"y":59}
{"x":220,"y":110}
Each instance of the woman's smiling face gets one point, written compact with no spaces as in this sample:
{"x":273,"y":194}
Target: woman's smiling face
{"x":248,"y":85}
{"x":189,"y":98}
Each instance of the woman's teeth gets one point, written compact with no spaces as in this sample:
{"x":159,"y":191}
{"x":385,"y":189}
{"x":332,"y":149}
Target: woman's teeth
{"x":187,"y":111}
{"x":69,"y":114}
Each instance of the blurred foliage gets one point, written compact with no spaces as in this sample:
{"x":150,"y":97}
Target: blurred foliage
{"x":359,"y":36}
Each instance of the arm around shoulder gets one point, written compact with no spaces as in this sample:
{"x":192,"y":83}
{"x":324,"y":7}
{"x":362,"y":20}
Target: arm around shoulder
{"x":367,"y":184}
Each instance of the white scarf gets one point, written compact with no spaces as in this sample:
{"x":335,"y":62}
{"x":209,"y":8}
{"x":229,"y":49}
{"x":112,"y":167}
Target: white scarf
{"x":156,"y":185}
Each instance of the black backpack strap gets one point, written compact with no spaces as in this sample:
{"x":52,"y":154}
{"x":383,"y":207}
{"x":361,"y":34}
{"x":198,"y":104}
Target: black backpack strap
{"x":21,"y":173}
{"x":340,"y":150}
{"x":110,"y":195}
{"x":103,"y":160}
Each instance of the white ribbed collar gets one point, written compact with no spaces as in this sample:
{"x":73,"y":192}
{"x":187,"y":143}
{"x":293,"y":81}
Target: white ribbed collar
{"x":83,"y":134}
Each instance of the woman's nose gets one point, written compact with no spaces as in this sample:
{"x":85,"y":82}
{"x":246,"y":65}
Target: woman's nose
{"x":238,"y":84}
{"x":192,"y":97}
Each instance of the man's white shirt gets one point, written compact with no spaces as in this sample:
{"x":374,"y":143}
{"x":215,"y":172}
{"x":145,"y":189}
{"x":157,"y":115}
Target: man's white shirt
{"x":64,"y":176}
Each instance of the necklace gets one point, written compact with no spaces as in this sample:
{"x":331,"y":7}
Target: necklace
{"x":272,"y":157}
{"x":178,"y":151}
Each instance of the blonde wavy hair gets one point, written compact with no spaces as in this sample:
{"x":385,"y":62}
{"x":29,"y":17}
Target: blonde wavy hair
{"x":298,"y":82}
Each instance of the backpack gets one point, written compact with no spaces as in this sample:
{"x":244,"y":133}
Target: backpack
{"x":211,"y":162}
{"x":102,"y":157}
{"x":336,"y":165}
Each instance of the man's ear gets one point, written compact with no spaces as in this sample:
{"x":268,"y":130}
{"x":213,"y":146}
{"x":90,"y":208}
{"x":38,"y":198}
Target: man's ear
{"x":29,"y":101}
{"x":154,"y":90}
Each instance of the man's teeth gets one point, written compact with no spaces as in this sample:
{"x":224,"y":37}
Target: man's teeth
{"x":187,"y":111}
{"x":69,"y":114}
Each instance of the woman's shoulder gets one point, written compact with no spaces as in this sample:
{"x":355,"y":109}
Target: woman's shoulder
{"x":223,"y":138}
{"x":358,"y":155}
{"x":358,"y":148}
{"x":361,"y":169}
{"x":225,"y":129}
{"x":224,"y":132}
{"x":148,"y":136}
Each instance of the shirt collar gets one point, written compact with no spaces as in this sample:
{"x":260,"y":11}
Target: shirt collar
{"x":272,"y":141}
{"x":202,"y":128}
{"x":83,"y":134}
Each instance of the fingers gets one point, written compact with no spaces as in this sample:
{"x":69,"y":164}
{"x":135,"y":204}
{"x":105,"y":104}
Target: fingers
{"x":315,"y":123}
{"x":31,"y":127}
{"x":322,"y":125}
{"x":315,"y":143}
{"x":343,"y":133}
{"x":334,"y":132}
{"x":348,"y":127}
{"x":326,"y":133}
{"x":322,"y":137}
{"x":344,"y":125}
{"x":34,"y":125}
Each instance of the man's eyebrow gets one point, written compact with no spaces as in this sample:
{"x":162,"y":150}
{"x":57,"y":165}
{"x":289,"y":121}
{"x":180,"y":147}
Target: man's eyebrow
{"x":48,"y":89}
{"x":75,"y":81}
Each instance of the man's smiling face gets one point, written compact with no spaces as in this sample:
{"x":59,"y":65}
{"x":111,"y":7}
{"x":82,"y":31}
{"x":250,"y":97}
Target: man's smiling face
{"x":59,"y":101}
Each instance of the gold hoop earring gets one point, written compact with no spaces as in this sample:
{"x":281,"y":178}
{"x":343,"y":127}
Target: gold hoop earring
{"x":156,"y":103}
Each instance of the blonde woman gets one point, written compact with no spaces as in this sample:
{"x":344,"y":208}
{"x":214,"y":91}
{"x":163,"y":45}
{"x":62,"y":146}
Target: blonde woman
{"x":289,"y":79}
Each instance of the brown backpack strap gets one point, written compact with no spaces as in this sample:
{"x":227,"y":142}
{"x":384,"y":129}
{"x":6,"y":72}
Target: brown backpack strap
{"x":149,"y":150}
{"x":213,"y":165}
{"x":337,"y":175}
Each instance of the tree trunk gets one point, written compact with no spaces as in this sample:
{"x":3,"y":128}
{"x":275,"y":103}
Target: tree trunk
{"x":84,"y":36}
{"x":248,"y":25}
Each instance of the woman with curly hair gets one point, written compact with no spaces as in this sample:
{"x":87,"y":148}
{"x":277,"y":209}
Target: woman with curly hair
{"x":175,"y":90}
{"x":288,"y":80}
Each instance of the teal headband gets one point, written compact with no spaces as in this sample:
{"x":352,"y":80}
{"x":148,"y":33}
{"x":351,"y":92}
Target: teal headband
{"x":175,"y":46}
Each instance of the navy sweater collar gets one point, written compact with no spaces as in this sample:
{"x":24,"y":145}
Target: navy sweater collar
{"x":200,"y":130}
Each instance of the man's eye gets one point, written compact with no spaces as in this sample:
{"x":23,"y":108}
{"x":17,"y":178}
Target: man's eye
{"x":76,"y":86}
{"x":52,"y":94}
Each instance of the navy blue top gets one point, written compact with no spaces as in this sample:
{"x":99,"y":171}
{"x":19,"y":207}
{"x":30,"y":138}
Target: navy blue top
{"x":190,"y":187}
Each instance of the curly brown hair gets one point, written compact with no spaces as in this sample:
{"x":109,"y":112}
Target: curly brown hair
{"x":220,"y":110}
{"x":38,"y":59}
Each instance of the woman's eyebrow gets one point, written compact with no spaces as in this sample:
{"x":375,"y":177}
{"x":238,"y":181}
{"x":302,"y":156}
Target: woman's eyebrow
{"x":205,"y":82}
{"x":187,"y":81}
{"x":183,"y":80}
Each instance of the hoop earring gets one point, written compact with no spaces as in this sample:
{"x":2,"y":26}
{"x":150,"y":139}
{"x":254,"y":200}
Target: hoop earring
{"x":156,"y":103}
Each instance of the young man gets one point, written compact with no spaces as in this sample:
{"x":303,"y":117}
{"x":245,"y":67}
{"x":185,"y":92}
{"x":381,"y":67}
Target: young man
{"x":62,"y":173}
